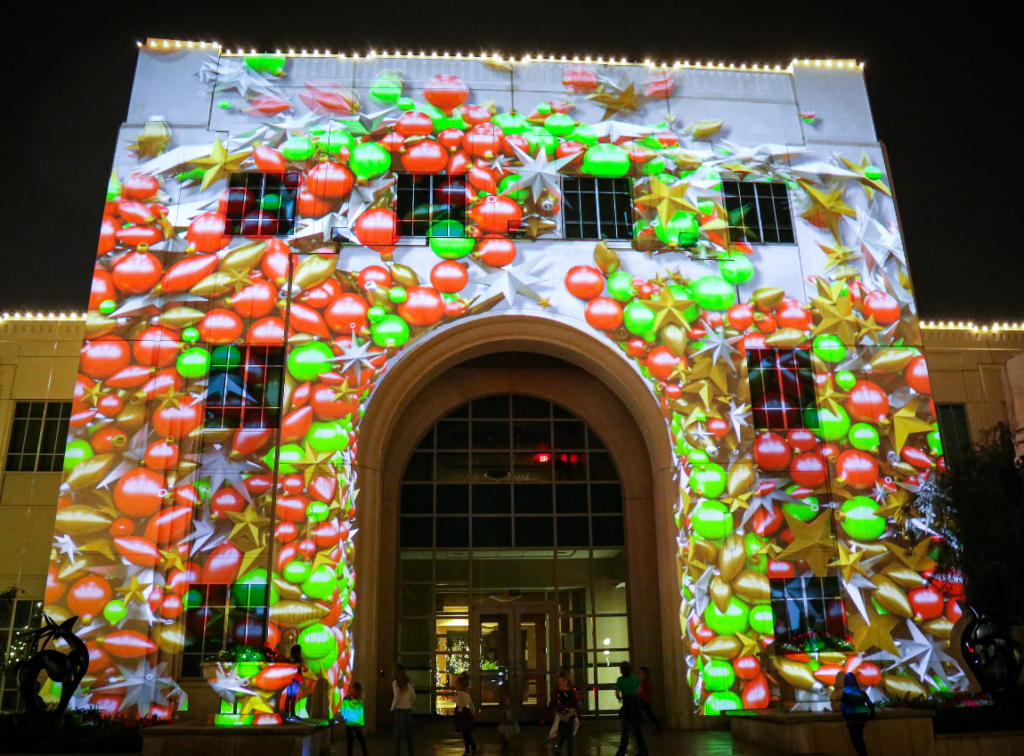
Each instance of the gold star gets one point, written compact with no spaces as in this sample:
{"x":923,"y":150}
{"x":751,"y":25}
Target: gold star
{"x":315,"y":464}
{"x":836,"y":309}
{"x":256,"y":704}
{"x":870,"y":184}
{"x":848,"y":562}
{"x":825,"y":209}
{"x":812,"y":542}
{"x":249,"y":519}
{"x":668,"y":309}
{"x":669,"y":200}
{"x":830,"y":397}
{"x":544,"y":302}
{"x":132,"y":591}
{"x":93,"y":394}
{"x":906,"y":421}
{"x":874,"y":634}
{"x":538,"y":226}
{"x":172,"y":560}
{"x":749,"y":645}
{"x":626,"y":99}
{"x":868,"y":328}
{"x":220,"y":163}
{"x":916,"y":557}
{"x":250,"y":556}
{"x":838,"y":255}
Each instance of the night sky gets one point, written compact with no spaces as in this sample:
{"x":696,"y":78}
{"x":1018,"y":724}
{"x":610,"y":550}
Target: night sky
{"x":940,"y":84}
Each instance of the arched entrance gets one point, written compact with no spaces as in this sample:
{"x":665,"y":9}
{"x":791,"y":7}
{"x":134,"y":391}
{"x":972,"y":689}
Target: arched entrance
{"x":587,"y":379}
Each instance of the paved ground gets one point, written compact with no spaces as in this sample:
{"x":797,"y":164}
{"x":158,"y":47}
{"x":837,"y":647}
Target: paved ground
{"x":593,"y":739}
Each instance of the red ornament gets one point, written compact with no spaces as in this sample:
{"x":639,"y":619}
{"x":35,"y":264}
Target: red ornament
{"x":222,"y":565}
{"x":255,"y":301}
{"x":308,"y":205}
{"x":208,"y":233}
{"x":156,"y":347}
{"x":740,"y":316}
{"x":497,"y":215}
{"x":916,"y":375}
{"x":603,"y":313}
{"x":765,"y":524}
{"x":138,"y":492}
{"x":269,"y":160}
{"x":220,"y":326}
{"x":376,"y":274}
{"x":584,"y":282}
{"x":329,"y":180}
{"x":185,"y":274}
{"x":423,"y":307}
{"x":449,"y":276}
{"x":867,"y":402}
{"x":377,"y":227}
{"x":138,"y":551}
{"x":227,"y":499}
{"x":780,"y":570}
{"x":108,"y":236}
{"x":445,"y":92}
{"x":140,"y":187}
{"x":88,"y":596}
{"x":662,"y":361}
{"x":451,"y":139}
{"x":917,"y":457}
{"x":292,"y":508}
{"x":496,"y":250}
{"x":884,"y":308}
{"x":579,"y":78}
{"x":927,"y":603}
{"x":808,"y":470}
{"x":296,"y":424}
{"x":746,"y":667}
{"x":266,"y":332}
{"x":756,"y":694}
{"x":170,"y":526}
{"x":136,"y":236}
{"x":348,"y":312}
{"x":128,"y":644}
{"x":137,"y":272}
{"x":771,"y":452}
{"x":276,"y":260}
{"x":425,"y":157}
{"x":414,"y":123}
{"x":483,"y":141}
{"x":174,"y":422}
{"x":856,"y":469}
{"x":162,"y":455}
{"x":802,"y":440}
{"x":794,"y":315}
{"x":868,"y":674}
{"x":122,"y":526}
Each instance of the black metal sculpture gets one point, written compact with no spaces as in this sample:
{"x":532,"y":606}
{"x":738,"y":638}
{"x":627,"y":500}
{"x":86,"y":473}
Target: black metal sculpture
{"x":67,"y":669}
{"x":989,"y":649}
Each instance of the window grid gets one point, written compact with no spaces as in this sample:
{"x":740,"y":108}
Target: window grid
{"x":597,"y":208}
{"x":39,"y":433}
{"x":782,"y":391}
{"x":16,"y":617}
{"x":244,"y":389}
{"x":955,"y":432}
{"x":261,"y":204}
{"x":766,"y":205}
{"x":218,"y":618}
{"x":806,"y":610}
{"x":420,"y":202}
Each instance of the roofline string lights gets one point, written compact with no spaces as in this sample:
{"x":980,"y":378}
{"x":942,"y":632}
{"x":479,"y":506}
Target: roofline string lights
{"x":168,"y":44}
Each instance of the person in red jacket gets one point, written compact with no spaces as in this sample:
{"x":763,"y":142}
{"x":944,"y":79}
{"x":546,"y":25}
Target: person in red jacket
{"x":565,"y":707}
{"x":646,"y":697}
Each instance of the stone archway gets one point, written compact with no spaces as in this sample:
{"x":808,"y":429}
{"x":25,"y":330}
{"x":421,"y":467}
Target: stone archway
{"x":605,"y":391}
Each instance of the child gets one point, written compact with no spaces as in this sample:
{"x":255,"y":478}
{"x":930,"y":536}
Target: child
{"x":508,"y":722}
{"x":352,"y":713}
{"x":566,"y":705}
{"x":291,"y":693}
{"x":646,"y":697}
{"x":465,"y":721}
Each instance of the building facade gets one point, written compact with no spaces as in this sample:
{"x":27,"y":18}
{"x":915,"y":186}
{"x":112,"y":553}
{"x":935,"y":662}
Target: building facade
{"x":551,"y":363}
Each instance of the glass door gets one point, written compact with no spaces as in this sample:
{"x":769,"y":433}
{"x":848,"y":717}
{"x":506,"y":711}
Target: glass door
{"x":511,"y":656}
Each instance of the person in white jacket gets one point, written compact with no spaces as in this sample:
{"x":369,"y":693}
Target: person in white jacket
{"x":401,"y":708}
{"x":465,"y":713}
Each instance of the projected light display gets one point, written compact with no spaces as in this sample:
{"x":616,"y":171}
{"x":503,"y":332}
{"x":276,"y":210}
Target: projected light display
{"x":255,"y":280}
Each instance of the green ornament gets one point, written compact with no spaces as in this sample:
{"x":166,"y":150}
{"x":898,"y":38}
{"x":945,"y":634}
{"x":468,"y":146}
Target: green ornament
{"x":193,"y":363}
{"x":605,"y":161}
{"x":266,"y":64}
{"x":845,"y":380}
{"x":318,"y":642}
{"x":227,"y":356}
{"x":390,"y":332}
{"x":309,"y":360}
{"x":654,"y":166}
{"x":335,"y":140}
{"x":829,"y":348}
{"x":721,"y":702}
{"x":318,"y":511}
{"x":559,"y":124}
{"x":376,"y":313}
{"x":753,"y":545}
{"x":397,"y":295}
{"x":191,"y":335}
{"x":638,"y":317}
{"x":510,"y":123}
{"x":762,"y":619}
{"x":327,"y":438}
{"x":519,"y":195}
{"x":369,"y":160}
{"x":714,"y":293}
{"x":113,"y":188}
{"x":321,"y":583}
{"x":448,"y":240}
{"x":297,"y":572}
{"x":805,"y":509}
{"x":270,"y":202}
{"x":712,"y":520}
{"x":935,"y":443}
{"x":736,"y":268}
{"x":832,"y":425}
{"x":115,"y":611}
{"x":708,"y":481}
{"x":864,"y":437}
{"x":620,"y":286}
{"x":289,"y":453}
{"x":733,"y":620}
{"x":698,"y":457}
{"x":251,"y":591}
{"x":405,"y":103}
{"x":584,"y":134}
{"x":193,"y":599}
{"x":224,"y":104}
{"x":540,"y":137}
{"x":298,"y":149}
{"x":872,"y":173}
{"x":680,"y":231}
{"x":386,"y":89}
{"x":107,"y":306}
{"x":76,"y":452}
{"x":718,"y":675}
{"x":860,"y":519}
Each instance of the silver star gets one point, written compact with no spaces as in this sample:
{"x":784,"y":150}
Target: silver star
{"x":226,"y":682}
{"x":225,"y":74}
{"x":355,"y":355}
{"x":202,"y":535}
{"x":146,"y":686}
{"x":366,"y":124}
{"x":853,"y":588}
{"x":719,"y":345}
{"x":291,"y":124}
{"x":537,"y":174}
{"x":218,"y":467}
{"x":135,"y":304}
{"x":509,"y":281}
{"x":768,"y":493}
{"x":738,"y":417}
{"x":614,"y":130}
{"x":66,"y":545}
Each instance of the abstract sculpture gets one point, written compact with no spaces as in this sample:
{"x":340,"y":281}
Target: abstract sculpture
{"x":67,"y":669}
{"x":995,"y":658}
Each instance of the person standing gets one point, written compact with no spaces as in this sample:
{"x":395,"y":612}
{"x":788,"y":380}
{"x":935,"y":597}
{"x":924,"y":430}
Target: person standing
{"x":352,"y":714}
{"x":465,"y":713}
{"x":401,"y":707}
{"x":627,"y":690}
{"x":509,"y":719}
{"x":857,"y":709}
{"x":291,"y":693}
{"x":647,"y":697}
{"x":565,"y":705}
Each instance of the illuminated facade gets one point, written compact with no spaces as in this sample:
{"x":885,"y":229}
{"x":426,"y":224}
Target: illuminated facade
{"x":298,"y":255}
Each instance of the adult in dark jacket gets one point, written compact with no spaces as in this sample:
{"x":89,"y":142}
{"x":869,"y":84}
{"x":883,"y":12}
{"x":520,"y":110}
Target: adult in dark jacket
{"x":857,"y":710}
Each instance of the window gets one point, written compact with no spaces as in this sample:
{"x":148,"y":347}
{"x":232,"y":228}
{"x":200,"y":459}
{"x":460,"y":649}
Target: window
{"x":759,"y":212}
{"x":809,"y":613}
{"x":782,"y":389}
{"x":16,"y":617}
{"x":955,"y":431}
{"x":424,"y":200}
{"x":261,"y":204}
{"x":220,"y":617}
{"x":245,"y":387}
{"x":38,"y":435}
{"x":504,"y":472}
{"x":597,"y":208}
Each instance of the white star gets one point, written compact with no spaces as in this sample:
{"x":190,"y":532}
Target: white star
{"x":355,"y":355}
{"x":614,"y":130}
{"x":66,"y":545}
{"x":146,"y":686}
{"x":853,"y":588}
{"x":226,"y":682}
{"x":881,"y":242}
{"x":291,"y":124}
{"x":510,"y":281}
{"x":202,"y":534}
{"x":218,"y":467}
{"x":738,"y":417}
{"x":538,"y":174}
{"x":225,"y":74}
{"x":720,"y":346}
{"x":363,"y":195}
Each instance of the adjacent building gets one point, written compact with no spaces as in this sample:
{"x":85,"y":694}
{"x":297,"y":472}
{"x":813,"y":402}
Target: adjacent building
{"x":551,"y":363}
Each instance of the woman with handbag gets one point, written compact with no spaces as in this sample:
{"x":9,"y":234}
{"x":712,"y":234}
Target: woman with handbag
{"x":465,"y":719}
{"x":857,"y":710}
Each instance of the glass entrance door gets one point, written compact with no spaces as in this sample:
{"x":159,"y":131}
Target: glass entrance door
{"x":511,"y":654}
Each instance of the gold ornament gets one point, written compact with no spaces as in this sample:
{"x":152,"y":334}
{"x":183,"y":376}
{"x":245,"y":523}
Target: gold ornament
{"x":795,"y":673}
{"x":732,"y":558}
{"x":890,"y":596}
{"x":742,"y":477}
{"x":752,"y":587}
{"x":297,"y":613}
{"x":79,"y":519}
{"x":722,"y":647}
{"x":314,"y":270}
{"x":87,"y":473}
{"x":243,"y":259}
{"x":721,"y":593}
{"x":903,"y":687}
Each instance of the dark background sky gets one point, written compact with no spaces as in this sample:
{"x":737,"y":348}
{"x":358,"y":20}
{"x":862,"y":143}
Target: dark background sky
{"x":940,"y":80}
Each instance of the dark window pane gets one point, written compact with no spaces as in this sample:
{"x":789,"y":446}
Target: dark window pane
{"x":602,"y":467}
{"x":462,"y":411}
{"x":452,"y":467}
{"x":491,"y":407}
{"x":492,"y":532}
{"x":530,"y":407}
{"x":608,"y":531}
{"x":453,"y":434}
{"x":428,"y":441}
{"x":534,"y":434}
{"x":573,"y":531}
{"x":492,"y":499}
{"x":415,"y":532}
{"x":453,"y":532}
{"x":420,"y":467}
{"x":606,"y":497}
{"x":571,"y":498}
{"x":533,"y":499}
{"x":491,"y":435}
{"x":570,"y":435}
{"x":452,"y":499}
{"x":570,"y":466}
{"x":417,"y":499}
{"x":535,"y":532}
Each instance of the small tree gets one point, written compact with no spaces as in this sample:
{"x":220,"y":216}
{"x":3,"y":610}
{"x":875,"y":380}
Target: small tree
{"x":978,"y":508}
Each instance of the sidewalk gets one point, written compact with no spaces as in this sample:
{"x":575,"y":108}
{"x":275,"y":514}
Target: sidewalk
{"x":593,"y":739}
